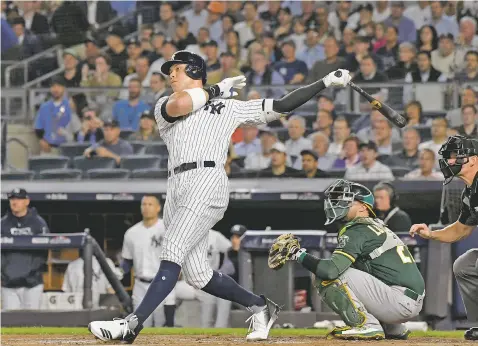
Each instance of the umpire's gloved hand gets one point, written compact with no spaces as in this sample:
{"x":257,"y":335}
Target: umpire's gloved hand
{"x":225,"y":88}
{"x":337,"y":78}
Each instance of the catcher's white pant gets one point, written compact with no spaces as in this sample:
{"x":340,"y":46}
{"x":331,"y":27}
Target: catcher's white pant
{"x":196,"y":201}
{"x":208,"y":305}
{"x":22,"y":298}
{"x":156,"y":319}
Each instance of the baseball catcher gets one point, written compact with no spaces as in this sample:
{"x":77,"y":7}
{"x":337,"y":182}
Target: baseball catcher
{"x":460,"y":159}
{"x":371,"y":281}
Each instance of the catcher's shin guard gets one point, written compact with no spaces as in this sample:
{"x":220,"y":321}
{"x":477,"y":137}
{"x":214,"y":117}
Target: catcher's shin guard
{"x":337,"y":296}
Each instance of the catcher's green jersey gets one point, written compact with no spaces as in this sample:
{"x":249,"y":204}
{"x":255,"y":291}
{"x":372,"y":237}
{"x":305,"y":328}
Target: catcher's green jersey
{"x":358,"y":239}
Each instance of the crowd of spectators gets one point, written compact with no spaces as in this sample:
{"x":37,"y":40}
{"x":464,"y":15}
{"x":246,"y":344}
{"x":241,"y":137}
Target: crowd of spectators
{"x":275,"y":43}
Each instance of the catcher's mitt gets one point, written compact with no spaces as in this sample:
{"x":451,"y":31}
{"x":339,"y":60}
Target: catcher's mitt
{"x":283,"y":249}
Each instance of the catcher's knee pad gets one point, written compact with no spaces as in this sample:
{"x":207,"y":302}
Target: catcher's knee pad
{"x":336,"y":295}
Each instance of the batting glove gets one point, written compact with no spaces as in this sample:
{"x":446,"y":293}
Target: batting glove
{"x":337,"y":78}
{"x":225,"y":88}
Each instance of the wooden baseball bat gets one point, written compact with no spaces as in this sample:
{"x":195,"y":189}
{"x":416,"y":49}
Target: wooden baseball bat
{"x":396,"y":118}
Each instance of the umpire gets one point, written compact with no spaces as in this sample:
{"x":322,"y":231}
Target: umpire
{"x":22,"y":279}
{"x":460,"y":159}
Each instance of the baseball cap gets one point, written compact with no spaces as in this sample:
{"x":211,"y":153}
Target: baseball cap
{"x":115,"y":30}
{"x":135,"y":41}
{"x":279,"y":146}
{"x":70,"y":52}
{"x":60,"y":80}
{"x":147,"y":114}
{"x":238,"y":230}
{"x":18,"y":193}
{"x":211,"y":43}
{"x":369,"y":145}
{"x":111,"y":123}
{"x":216,"y":7}
{"x":311,"y":153}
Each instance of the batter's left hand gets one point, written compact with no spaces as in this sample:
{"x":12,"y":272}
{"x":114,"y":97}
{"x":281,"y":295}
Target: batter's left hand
{"x":227,"y":86}
{"x":337,"y":78}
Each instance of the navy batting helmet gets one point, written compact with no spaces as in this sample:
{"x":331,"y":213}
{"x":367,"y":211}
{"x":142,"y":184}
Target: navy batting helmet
{"x":196,"y":66}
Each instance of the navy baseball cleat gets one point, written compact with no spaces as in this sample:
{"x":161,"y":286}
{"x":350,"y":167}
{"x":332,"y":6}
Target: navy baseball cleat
{"x":125,"y":330}
{"x":472,"y":334}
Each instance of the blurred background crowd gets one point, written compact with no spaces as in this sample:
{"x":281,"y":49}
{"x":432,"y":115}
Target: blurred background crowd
{"x":278,"y":46}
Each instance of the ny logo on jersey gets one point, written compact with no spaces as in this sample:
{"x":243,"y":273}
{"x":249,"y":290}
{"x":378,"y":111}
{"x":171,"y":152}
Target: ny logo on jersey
{"x":156,"y":241}
{"x":214,"y":107}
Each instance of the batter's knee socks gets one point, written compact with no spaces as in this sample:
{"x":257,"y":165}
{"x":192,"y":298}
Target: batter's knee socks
{"x":169,"y":311}
{"x":162,"y":284}
{"x":223,"y":286}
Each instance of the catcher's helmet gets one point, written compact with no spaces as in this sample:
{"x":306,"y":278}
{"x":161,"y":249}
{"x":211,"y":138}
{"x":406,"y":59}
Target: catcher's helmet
{"x":339,"y":198}
{"x":196,"y":66}
{"x":459,"y":148}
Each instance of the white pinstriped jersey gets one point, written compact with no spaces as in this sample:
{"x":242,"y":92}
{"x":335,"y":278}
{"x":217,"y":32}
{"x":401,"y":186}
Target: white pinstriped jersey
{"x":143,"y":246}
{"x":204,"y":135}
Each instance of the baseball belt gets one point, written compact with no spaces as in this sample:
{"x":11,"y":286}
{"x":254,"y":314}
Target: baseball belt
{"x":184,"y":167}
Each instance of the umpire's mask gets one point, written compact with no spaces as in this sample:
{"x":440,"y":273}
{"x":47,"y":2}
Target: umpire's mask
{"x":339,"y":198}
{"x":457,"y":148}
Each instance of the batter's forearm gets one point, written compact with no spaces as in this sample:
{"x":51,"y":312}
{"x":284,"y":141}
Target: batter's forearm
{"x":452,"y":233}
{"x":325,"y":269}
{"x":297,"y":97}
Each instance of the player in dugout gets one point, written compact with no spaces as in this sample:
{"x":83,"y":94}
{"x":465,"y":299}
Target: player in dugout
{"x":460,"y":159}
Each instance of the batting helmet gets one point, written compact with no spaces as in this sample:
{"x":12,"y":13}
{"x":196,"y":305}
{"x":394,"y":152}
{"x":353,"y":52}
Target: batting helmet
{"x":459,"y":148}
{"x":196,"y":66}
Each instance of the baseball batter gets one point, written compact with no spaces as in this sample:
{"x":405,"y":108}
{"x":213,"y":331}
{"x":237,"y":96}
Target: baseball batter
{"x":141,"y":251}
{"x":371,"y":281}
{"x":209,"y":304}
{"x":197,"y":123}
{"x":460,"y":159}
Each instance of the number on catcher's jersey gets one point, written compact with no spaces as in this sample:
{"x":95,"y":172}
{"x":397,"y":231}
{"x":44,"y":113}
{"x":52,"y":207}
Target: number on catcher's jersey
{"x":404,"y":254}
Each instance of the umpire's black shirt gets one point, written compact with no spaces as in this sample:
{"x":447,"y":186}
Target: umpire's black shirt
{"x":23,"y":268}
{"x":469,"y":204}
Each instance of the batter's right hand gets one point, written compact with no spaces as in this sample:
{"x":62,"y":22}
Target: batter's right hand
{"x":422,"y":230}
{"x":227,"y":86}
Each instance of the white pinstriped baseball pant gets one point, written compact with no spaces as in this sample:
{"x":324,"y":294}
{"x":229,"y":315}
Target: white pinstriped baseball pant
{"x":196,"y":200}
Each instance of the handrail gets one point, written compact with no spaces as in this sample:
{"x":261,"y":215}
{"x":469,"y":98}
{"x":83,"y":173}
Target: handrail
{"x":57,"y":48}
{"x":22,"y":144}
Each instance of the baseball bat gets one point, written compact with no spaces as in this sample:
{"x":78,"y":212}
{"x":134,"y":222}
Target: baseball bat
{"x":396,"y":118}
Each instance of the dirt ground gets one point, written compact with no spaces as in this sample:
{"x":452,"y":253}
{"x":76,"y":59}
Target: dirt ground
{"x":186,"y":340}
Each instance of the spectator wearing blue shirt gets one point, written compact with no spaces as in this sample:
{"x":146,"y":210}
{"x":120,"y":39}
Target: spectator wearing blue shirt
{"x":313,"y":50}
{"x":406,"y":27}
{"x":442,"y":24}
{"x":293,"y":70}
{"x":128,"y":112}
{"x":9,"y":39}
{"x":53,"y":117}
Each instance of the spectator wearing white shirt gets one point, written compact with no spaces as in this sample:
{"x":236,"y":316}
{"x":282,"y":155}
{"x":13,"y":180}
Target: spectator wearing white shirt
{"x":341,"y":130}
{"x":298,"y":35}
{"x":244,"y":28}
{"x":142,"y":74}
{"x":467,"y":38}
{"x":381,"y":11}
{"x":419,"y":13}
{"x":439,"y":136}
{"x":442,"y":24}
{"x":262,"y":160}
{"x":366,"y":133}
{"x":448,"y":59}
{"x":196,"y":16}
{"x":296,"y":142}
{"x":340,"y":16}
{"x":167,"y":23}
{"x":320,"y":145}
{"x":250,"y":143}
{"x":426,"y":170}
{"x":469,"y":97}
{"x":425,"y":72}
{"x":382,"y":135}
{"x":369,"y":168}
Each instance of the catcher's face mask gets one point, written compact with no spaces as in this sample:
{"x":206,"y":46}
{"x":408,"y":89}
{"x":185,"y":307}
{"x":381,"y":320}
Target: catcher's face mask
{"x":455,"y":154}
{"x":339,"y":198}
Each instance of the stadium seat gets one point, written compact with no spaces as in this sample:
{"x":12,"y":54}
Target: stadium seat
{"x":336,"y":173}
{"x":399,"y":172}
{"x":60,"y":174}
{"x":73,"y":149}
{"x":18,"y":175}
{"x":132,"y":162}
{"x":107,"y":173}
{"x":126,"y":133}
{"x":156,"y":149}
{"x":84,"y":163}
{"x":40,"y":163}
{"x":149,"y":173}
{"x":138,"y":146}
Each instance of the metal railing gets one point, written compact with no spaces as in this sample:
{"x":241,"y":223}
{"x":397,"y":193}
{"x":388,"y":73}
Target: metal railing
{"x":26,"y":63}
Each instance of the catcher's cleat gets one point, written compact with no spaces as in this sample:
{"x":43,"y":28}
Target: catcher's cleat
{"x":472,"y":334}
{"x":403,"y":336}
{"x":125,"y":330}
{"x":261,"y":322}
{"x":358,"y":333}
